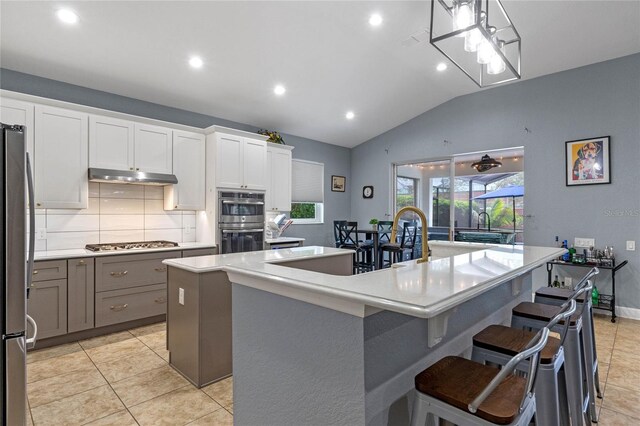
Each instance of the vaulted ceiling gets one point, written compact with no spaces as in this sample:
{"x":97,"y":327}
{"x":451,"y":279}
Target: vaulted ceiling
{"x":326,"y":54}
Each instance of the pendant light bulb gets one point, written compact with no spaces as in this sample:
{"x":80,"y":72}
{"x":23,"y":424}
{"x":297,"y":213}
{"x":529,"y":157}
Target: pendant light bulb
{"x":473,"y":38}
{"x":496,"y":65}
{"x":463,"y":15}
{"x":485,"y":48}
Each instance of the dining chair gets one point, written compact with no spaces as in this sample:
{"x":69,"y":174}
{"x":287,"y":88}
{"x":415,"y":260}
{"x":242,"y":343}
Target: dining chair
{"x":397,"y":249}
{"x":363,"y":257}
{"x":337,"y":224}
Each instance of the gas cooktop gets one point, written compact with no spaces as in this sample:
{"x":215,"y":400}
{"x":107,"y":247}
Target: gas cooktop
{"x":131,"y":246}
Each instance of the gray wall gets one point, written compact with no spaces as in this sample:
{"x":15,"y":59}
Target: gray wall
{"x":336,"y":159}
{"x":597,"y":100}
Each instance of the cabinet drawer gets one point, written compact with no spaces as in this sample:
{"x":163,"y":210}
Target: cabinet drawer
{"x":121,"y":272}
{"x":113,"y":307}
{"x":50,"y":270}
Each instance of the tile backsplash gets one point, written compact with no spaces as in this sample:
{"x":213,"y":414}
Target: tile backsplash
{"x":116,"y":213}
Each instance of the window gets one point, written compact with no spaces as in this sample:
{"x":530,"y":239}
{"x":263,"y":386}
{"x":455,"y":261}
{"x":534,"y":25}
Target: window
{"x":406,"y":192}
{"x":307,"y":194}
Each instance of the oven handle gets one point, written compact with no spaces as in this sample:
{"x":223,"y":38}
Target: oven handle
{"x":241,"y":231}
{"x":258,"y":203}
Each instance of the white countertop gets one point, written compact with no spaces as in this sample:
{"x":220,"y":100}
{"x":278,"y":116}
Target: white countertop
{"x":75,"y":253}
{"x":283,"y":240}
{"x":201,"y":264}
{"x":422,"y":290}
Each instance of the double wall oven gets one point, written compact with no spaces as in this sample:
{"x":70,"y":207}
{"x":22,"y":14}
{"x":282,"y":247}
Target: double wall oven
{"x":240,"y":221}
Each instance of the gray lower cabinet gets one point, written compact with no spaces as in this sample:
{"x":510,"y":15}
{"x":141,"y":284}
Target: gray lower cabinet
{"x":116,"y":306}
{"x":81,"y":291}
{"x":131,"y":287}
{"x":47,"y":303}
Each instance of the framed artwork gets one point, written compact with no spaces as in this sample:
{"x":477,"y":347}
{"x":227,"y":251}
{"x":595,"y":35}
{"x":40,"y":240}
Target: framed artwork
{"x":588,"y":161}
{"x":338,"y":183}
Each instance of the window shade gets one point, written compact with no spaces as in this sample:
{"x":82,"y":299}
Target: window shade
{"x":308,"y":182}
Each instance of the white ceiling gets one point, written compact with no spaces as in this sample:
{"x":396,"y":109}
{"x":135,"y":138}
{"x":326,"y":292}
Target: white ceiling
{"x":325,"y":53}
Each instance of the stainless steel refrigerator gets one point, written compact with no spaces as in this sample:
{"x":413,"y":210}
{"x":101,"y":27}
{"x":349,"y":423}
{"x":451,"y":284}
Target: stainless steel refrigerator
{"x":17,"y":269}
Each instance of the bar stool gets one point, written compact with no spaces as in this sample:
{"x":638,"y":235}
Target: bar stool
{"x":557,"y":296}
{"x":469,"y":393}
{"x":581,"y":400}
{"x":498,"y":343}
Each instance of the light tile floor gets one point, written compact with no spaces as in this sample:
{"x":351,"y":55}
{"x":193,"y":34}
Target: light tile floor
{"x":120,"y":379}
{"x":124,"y":379}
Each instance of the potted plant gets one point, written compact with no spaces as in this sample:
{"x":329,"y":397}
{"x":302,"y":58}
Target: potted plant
{"x":274,"y":137}
{"x":374,"y":223}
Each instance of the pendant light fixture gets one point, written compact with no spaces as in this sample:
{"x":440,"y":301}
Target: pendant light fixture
{"x":486,"y":163}
{"x":490,"y":51}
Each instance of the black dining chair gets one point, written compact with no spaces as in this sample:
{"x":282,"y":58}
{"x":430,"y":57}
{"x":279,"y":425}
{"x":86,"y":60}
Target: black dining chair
{"x":337,"y":224}
{"x":398,"y":249}
{"x":363,"y":257}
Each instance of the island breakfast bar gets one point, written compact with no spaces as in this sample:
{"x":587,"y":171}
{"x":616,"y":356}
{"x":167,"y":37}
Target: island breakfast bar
{"x":314,"y":346}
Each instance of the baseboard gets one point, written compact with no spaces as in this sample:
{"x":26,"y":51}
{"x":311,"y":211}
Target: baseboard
{"x":632,"y":313}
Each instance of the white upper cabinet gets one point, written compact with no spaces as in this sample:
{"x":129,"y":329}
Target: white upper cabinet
{"x":229,"y":161}
{"x":18,"y":112}
{"x":153,"y":149}
{"x":254,"y":163}
{"x":240,"y":162}
{"x":61,"y":158}
{"x":278,"y":196}
{"x":189,"y":168}
{"x":111,"y":143}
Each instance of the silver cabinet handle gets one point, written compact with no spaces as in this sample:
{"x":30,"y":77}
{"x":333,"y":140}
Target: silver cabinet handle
{"x":119,"y":308}
{"x":161,"y":269}
{"x":160,"y":300}
{"x":35,"y":272}
{"x":82,"y":262}
{"x":119,"y":274}
{"x":31,"y":341}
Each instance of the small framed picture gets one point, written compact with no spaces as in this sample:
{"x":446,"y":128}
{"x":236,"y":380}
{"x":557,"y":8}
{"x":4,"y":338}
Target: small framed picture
{"x":338,"y":183}
{"x":588,"y":161}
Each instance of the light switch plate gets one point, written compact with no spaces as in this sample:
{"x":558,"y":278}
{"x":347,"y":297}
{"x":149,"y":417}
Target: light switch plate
{"x":631,"y":245}
{"x":181,"y":296}
{"x":584,"y":242}
{"x":41,"y":234}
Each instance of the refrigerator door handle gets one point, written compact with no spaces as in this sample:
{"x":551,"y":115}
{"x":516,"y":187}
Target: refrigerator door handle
{"x":32,"y":225}
{"x":31,"y":341}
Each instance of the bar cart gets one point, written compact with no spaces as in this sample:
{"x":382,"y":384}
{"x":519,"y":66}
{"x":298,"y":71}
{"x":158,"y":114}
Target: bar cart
{"x":606,"y":302}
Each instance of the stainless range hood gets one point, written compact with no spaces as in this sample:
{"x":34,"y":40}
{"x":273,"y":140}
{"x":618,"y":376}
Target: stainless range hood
{"x":129,"y":176}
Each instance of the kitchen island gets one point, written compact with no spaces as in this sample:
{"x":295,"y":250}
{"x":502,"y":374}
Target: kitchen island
{"x":317,"y":347}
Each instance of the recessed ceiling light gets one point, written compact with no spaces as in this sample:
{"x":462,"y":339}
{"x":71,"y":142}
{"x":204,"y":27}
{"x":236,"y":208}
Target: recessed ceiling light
{"x":67,"y":16}
{"x":441,"y":66}
{"x":279,"y":90}
{"x":375,"y":20}
{"x":350,"y":115}
{"x":196,"y":62}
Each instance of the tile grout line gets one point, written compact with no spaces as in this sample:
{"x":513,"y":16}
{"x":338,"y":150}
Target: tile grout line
{"x":112,"y":390}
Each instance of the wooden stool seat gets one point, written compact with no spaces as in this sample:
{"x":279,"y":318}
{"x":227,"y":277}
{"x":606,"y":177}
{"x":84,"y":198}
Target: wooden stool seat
{"x":541,"y":312}
{"x":511,"y":341}
{"x":458,"y":381}
{"x":558,"y":293}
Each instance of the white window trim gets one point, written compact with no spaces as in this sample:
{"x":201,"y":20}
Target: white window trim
{"x":318,"y":220}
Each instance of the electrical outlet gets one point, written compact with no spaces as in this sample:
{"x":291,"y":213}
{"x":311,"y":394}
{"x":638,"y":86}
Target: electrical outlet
{"x":41,"y":234}
{"x":568,"y":282}
{"x":584,"y":242}
{"x":631,"y":245}
{"x":181,"y":296}
{"x":187,"y":229}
